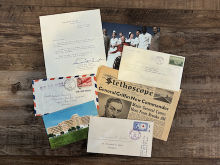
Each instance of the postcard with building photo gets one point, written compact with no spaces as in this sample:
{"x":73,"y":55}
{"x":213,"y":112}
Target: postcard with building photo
{"x":163,"y":95}
{"x":117,"y":35}
{"x":69,"y":125}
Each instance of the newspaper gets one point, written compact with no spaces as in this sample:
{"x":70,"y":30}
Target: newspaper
{"x":125,"y":100}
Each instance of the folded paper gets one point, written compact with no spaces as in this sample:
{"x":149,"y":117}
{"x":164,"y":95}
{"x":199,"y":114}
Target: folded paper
{"x":72,"y":43}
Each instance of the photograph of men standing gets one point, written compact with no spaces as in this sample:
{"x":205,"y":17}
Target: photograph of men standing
{"x":106,"y":42}
{"x":155,"y":39}
{"x":138,"y":36}
{"x":144,"y":39}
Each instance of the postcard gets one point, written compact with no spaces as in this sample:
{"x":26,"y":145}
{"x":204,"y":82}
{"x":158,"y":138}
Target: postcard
{"x":120,"y":136}
{"x":54,"y":94}
{"x":69,"y":125}
{"x":126,"y":100}
{"x":73,"y":43}
{"x":118,"y":35}
{"x":151,"y":68}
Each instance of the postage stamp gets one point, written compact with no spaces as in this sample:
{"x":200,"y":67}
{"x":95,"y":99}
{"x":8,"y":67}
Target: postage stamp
{"x":178,"y":61}
{"x":140,"y":126}
{"x":84,"y":81}
{"x":159,"y":60}
{"x":70,"y":84}
{"x":134,"y":135}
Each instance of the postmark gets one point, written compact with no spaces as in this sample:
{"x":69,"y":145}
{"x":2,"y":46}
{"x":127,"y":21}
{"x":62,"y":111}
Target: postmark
{"x":70,"y":84}
{"x":159,"y":60}
{"x":84,"y":81}
{"x":134,"y":135}
{"x":177,"y":61}
{"x":140,"y":126}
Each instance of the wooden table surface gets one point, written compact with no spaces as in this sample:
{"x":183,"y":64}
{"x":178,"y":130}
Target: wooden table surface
{"x":190,"y":28}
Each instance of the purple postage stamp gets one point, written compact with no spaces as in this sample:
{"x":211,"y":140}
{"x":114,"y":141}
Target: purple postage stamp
{"x":134,"y":135}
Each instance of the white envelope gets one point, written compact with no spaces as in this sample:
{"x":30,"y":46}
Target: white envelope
{"x":73,"y":43}
{"x":151,"y":68}
{"x":54,"y":94}
{"x":120,"y":136}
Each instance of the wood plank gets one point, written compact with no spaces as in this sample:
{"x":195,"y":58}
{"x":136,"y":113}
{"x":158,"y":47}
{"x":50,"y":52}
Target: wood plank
{"x":19,"y":28}
{"x":147,"y":4}
{"x":31,"y":61}
{"x":32,"y":140}
{"x":148,"y":17}
{"x":100,"y":160}
{"x":16,"y":89}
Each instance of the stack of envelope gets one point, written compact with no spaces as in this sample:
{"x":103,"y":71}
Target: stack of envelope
{"x":119,"y":111}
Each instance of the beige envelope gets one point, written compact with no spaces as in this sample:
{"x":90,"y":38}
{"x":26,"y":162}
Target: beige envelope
{"x":151,"y":68}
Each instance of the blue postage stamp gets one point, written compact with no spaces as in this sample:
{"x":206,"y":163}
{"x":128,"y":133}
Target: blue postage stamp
{"x":140,"y":126}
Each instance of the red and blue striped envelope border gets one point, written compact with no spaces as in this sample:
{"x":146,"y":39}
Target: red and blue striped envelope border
{"x":88,"y":75}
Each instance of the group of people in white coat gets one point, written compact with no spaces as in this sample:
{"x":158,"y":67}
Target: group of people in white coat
{"x":114,"y":46}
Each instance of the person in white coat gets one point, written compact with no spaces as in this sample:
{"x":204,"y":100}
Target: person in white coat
{"x":113,"y":42}
{"x":119,"y":40}
{"x":130,"y":39}
{"x":144,"y":39}
{"x":136,"y":40}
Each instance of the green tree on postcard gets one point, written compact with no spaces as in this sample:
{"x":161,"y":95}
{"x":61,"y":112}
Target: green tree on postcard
{"x":50,"y":135}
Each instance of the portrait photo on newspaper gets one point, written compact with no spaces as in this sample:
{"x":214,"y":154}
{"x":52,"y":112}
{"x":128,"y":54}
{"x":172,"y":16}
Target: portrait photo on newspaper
{"x":117,"y":35}
{"x":113,"y":107}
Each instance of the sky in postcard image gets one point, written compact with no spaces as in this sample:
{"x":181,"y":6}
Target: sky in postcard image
{"x":125,"y":28}
{"x":53,"y":119}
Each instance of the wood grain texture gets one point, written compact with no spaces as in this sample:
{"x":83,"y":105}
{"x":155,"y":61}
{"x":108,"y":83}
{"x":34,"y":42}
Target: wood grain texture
{"x":147,"y":4}
{"x":189,"y":28}
{"x":98,"y":160}
{"x":149,"y":17}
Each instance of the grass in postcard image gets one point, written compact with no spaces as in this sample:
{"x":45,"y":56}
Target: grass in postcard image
{"x":69,"y":125}
{"x":71,"y":137}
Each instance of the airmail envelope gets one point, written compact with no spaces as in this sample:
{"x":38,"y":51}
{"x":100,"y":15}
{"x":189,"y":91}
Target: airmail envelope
{"x":54,"y":94}
{"x":151,"y":68}
{"x":120,"y":136}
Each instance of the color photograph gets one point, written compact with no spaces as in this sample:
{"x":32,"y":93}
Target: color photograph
{"x":117,"y":35}
{"x":69,"y":125}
